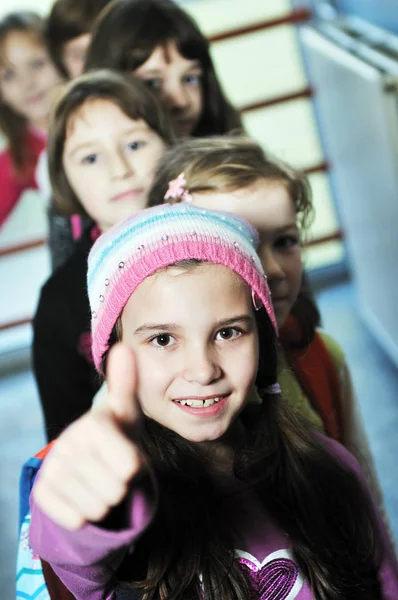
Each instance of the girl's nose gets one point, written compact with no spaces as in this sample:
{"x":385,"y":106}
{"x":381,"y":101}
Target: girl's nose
{"x":120,"y":166}
{"x":175,"y":97}
{"x":272,"y":267}
{"x":201,"y":367}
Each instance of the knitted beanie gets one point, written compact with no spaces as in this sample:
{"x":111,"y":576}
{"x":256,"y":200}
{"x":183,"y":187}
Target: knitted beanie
{"x":156,"y":238}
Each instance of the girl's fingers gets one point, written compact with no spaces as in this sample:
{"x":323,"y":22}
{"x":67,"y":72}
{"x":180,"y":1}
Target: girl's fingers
{"x":102,"y":482}
{"x":97,"y":435}
{"x":82,"y":498}
{"x":122,"y":386}
{"x":91,"y":496}
{"x":111,"y":446}
{"x":93,"y":461}
{"x":57,"y":508}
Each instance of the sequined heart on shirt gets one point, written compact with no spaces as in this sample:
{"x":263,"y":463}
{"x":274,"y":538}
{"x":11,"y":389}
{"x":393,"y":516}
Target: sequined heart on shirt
{"x":276,"y":578}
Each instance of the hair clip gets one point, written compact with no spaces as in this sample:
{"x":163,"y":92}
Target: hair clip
{"x":177,"y":190}
{"x":256,"y":301}
{"x":271,"y":390}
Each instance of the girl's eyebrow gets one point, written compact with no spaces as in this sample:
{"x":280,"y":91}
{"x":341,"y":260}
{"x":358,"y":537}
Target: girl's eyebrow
{"x":149,"y":327}
{"x":81,"y":147}
{"x":131,"y":130}
{"x":195,"y":65}
{"x":151,"y":71}
{"x":173,"y":327}
{"x":292,"y":225}
{"x":289,"y":226}
{"x":246,"y":319}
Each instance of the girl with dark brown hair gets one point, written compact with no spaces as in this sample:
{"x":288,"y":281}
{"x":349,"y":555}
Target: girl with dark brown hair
{"x":179,"y":487}
{"x":161,"y":44}
{"x":234,"y":174}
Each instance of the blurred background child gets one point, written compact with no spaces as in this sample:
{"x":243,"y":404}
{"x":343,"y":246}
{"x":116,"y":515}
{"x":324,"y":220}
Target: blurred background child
{"x":68,"y":35}
{"x":107,"y":135}
{"x":27,"y":81}
{"x":161,"y":44}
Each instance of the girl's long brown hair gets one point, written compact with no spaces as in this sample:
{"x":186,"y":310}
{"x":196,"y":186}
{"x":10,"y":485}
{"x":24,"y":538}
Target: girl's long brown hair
{"x":128,"y":93}
{"x":12,"y":124}
{"x":304,"y":488}
{"x":127,"y":33}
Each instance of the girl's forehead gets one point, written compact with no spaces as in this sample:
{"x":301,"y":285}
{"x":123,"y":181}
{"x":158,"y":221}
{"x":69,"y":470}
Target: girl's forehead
{"x":190,"y":289}
{"x":266,"y":205}
{"x":15,"y":44}
{"x":164,"y":55}
{"x":94,"y":112}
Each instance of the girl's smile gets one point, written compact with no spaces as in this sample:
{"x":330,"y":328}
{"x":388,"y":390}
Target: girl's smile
{"x":208,"y":406}
{"x":194,"y":336}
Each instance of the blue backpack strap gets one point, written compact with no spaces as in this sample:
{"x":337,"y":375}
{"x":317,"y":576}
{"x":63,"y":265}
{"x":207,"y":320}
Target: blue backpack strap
{"x":30,"y":582}
{"x":28,"y":476}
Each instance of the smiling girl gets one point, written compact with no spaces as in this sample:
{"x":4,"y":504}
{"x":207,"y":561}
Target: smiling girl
{"x":233,"y":174}
{"x":27,"y":81}
{"x":178,"y":486}
{"x":107,"y":135}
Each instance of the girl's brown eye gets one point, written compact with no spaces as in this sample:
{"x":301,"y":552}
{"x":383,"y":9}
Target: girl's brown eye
{"x":225,"y":333}
{"x":164,"y":340}
{"x":286,"y":241}
{"x":228,"y":333}
{"x":154,"y":84}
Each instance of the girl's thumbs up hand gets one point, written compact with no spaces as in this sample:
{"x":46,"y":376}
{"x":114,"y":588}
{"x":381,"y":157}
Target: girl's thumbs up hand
{"x":121,"y":402}
{"x":90,"y":467}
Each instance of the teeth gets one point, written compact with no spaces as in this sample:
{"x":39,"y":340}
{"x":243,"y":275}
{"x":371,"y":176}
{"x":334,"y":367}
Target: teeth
{"x":195,"y":403}
{"x":199,"y":403}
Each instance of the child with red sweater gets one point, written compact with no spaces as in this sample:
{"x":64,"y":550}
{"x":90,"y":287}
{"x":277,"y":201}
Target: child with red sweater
{"x":27,"y":81}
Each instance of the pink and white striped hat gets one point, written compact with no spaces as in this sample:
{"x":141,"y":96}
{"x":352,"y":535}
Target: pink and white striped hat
{"x":156,"y":238}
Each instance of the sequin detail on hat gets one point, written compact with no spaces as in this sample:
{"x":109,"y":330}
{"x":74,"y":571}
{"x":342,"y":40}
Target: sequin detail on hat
{"x":271,"y":390}
{"x":168,"y":234}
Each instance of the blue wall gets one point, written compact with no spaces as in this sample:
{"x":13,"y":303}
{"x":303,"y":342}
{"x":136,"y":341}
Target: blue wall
{"x":383,"y":13}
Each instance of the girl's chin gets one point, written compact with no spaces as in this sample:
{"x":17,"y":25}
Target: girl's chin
{"x":205,"y":438}
{"x":281,"y":314}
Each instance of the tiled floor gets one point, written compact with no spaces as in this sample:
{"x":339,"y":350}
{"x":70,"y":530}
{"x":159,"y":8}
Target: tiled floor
{"x":375,"y":378}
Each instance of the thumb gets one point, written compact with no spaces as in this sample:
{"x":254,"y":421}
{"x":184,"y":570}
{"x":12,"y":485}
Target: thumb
{"x":121,"y":378}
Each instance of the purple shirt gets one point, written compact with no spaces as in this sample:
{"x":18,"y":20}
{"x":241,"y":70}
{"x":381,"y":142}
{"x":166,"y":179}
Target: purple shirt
{"x":86,"y":560}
